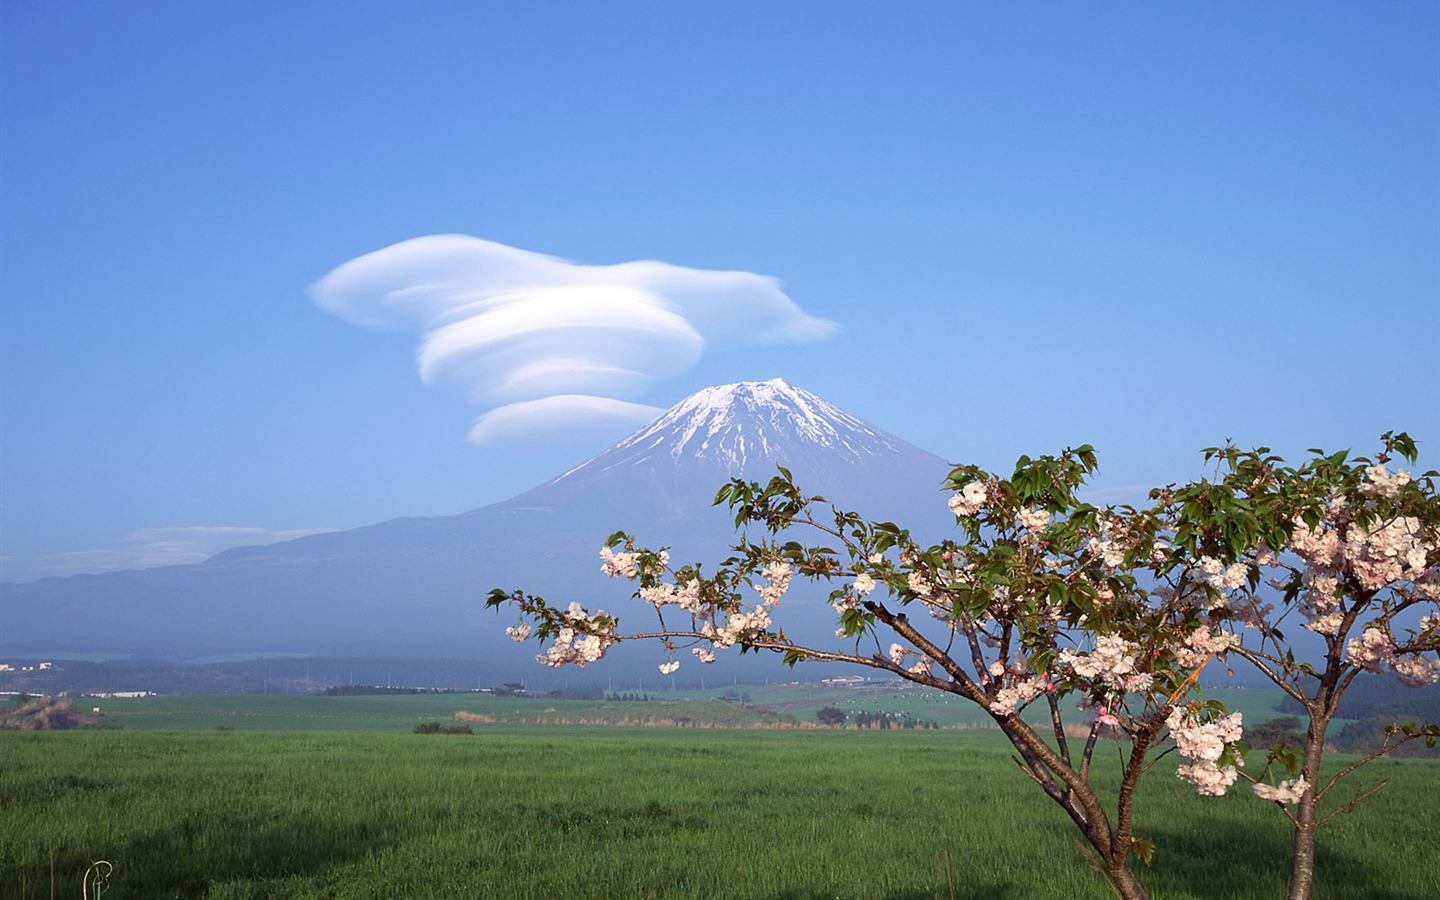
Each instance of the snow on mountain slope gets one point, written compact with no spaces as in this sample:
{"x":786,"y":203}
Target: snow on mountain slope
{"x":745,"y":430}
{"x":734,"y":423}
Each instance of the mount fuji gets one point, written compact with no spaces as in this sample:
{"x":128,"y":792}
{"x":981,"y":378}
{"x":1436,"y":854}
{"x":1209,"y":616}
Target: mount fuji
{"x":414,"y":586}
{"x":670,"y":469}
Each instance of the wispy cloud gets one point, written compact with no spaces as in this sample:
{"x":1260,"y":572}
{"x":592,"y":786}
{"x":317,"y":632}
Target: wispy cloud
{"x":149,"y":548}
{"x":551,"y":347}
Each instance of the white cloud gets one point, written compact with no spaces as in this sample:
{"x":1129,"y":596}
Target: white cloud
{"x":564,"y":416}
{"x":552,"y":346}
{"x":150,"y":548}
{"x":601,"y":339}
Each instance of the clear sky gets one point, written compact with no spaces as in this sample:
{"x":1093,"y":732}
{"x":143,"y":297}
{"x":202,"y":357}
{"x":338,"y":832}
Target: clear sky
{"x":989,"y":230}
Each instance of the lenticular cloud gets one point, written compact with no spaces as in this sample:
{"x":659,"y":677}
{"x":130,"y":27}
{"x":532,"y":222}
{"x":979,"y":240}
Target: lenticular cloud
{"x":549,"y":346}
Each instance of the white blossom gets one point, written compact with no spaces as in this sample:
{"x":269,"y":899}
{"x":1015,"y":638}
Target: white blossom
{"x":969,"y":500}
{"x":1285,"y":792}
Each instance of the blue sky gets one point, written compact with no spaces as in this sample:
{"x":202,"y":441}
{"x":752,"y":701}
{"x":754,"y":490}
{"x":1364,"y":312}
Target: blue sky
{"x":1149,"y":229}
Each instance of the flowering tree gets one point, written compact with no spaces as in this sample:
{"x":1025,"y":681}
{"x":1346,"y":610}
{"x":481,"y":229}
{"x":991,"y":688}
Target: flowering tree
{"x":1355,"y":551}
{"x":1041,"y":596}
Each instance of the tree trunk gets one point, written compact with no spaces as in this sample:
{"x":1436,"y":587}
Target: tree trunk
{"x":1127,"y":884}
{"x":1302,"y":873}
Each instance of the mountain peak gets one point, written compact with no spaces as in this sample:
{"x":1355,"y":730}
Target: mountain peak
{"x":746,"y":429}
{"x":735,"y":424}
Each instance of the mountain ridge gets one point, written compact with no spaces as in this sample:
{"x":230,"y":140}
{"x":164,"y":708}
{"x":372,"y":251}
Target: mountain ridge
{"x":420,"y":580}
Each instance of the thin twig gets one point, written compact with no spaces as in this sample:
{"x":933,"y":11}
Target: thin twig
{"x":1351,"y":805}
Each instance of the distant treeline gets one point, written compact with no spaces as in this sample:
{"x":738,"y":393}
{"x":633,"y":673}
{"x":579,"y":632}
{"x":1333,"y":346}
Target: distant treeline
{"x":268,"y":675}
{"x":371,"y":690}
{"x":1372,"y":703}
{"x":885,"y":721}
{"x":511,"y":689}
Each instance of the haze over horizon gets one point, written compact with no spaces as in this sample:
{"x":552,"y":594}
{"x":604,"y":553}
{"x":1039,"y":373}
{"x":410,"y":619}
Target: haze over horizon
{"x":269,"y":270}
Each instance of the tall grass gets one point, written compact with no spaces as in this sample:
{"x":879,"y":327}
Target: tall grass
{"x":587,"y":812}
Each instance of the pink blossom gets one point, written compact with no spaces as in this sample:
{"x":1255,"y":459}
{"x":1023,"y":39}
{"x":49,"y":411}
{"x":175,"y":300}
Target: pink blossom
{"x":1008,"y":699}
{"x":1217,"y":575}
{"x":1204,"y":742}
{"x":1140,"y":681}
{"x":778,"y":574}
{"x":923,"y":666}
{"x":1380,"y":483}
{"x":1327,"y":624}
{"x":1371,"y":650}
{"x":618,"y":565}
{"x":1318,"y":547}
{"x":1321,"y":591}
{"x":1110,"y":662}
{"x":1284,"y":792}
{"x":1033,"y":520}
{"x":1414,"y":670}
{"x":1101,"y":547}
{"x":1209,"y":779}
{"x":686,"y":596}
{"x":1202,"y":643}
{"x":919,"y":584}
{"x":1390,"y":552}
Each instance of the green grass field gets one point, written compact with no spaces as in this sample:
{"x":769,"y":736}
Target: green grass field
{"x":298,"y":801}
{"x":947,"y":711}
{"x":772,"y":704}
{"x":402,"y":713}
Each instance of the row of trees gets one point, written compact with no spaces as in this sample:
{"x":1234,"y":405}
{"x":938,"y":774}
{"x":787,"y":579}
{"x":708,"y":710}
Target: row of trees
{"x":886,"y":721}
{"x":1041,"y":596}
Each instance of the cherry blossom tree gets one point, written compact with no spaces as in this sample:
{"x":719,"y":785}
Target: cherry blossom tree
{"x":1042,"y":599}
{"x":1354,"y":549}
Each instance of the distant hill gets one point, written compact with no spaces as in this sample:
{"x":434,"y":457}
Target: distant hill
{"x":414,"y":586}
{"x":1369,"y":705}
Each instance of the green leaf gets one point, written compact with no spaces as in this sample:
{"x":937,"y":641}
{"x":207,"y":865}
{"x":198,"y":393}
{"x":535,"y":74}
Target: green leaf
{"x":853,"y":621}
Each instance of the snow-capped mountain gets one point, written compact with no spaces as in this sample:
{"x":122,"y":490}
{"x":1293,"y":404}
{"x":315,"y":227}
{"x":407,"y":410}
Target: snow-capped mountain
{"x":418,"y":583}
{"x":734,"y":425}
{"x":746,"y":430}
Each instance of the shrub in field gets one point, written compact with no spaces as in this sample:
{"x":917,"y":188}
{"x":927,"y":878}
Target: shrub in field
{"x":1283,"y":730}
{"x":437,"y":728}
{"x":830,"y":715}
{"x":1041,"y":596}
{"x":45,"y":714}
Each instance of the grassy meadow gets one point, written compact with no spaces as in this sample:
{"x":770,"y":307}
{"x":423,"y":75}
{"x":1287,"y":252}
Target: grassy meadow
{"x":401,"y":713}
{"x":735,"y":707}
{"x":242,"y":797}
